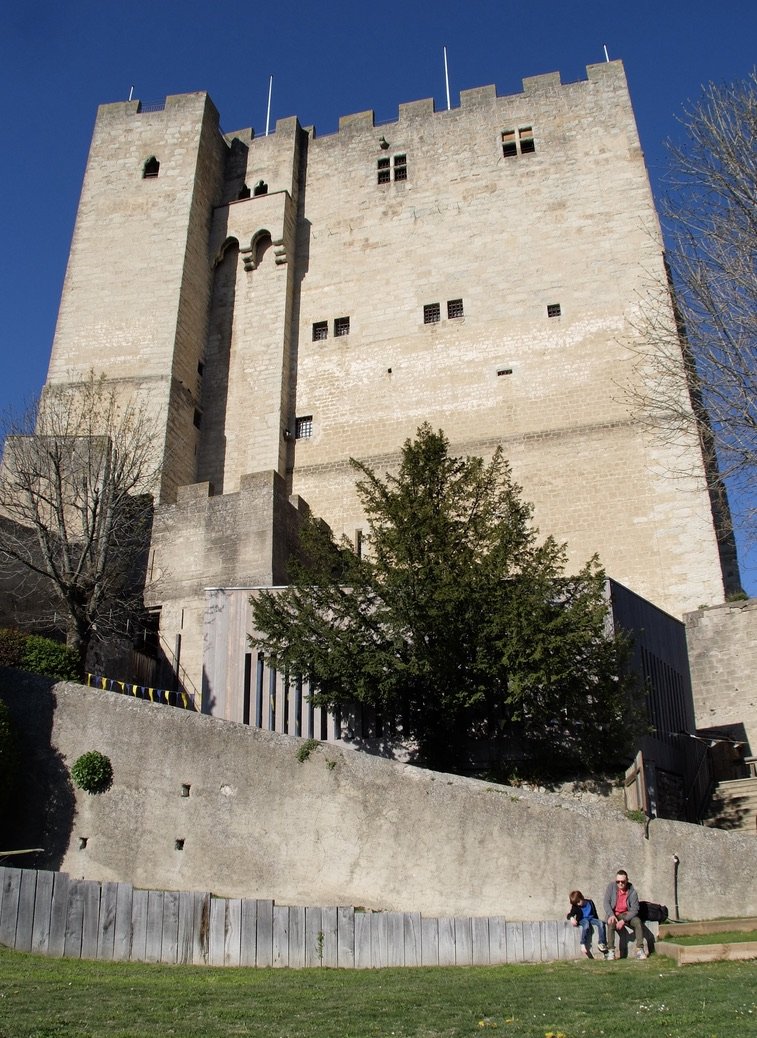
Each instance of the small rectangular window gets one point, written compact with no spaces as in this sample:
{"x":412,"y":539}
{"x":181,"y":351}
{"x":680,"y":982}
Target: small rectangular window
{"x":400,"y":167}
{"x":432,"y":313}
{"x":197,"y":419}
{"x":554,"y":310}
{"x":509,"y":147}
{"x":504,"y":371}
{"x":526,"y":136}
{"x":518,"y":142}
{"x":303,"y":427}
{"x":342,"y":326}
{"x":455,"y":308}
{"x":320,"y":330}
{"x":384,"y":171}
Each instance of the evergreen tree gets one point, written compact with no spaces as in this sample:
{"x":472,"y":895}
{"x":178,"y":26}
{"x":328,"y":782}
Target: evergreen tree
{"x":455,"y":620}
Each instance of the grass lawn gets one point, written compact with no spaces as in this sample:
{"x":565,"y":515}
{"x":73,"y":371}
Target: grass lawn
{"x":53,"y":998}
{"x":723,"y":937}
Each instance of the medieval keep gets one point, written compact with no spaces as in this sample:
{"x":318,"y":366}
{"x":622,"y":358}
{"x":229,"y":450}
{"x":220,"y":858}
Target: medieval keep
{"x":284,"y":303}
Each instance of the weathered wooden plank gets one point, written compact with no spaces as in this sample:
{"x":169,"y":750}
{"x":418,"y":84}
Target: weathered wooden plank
{"x":395,"y":939}
{"x":514,"y":942}
{"x":313,"y":937}
{"x":411,"y":925}
{"x":122,"y":933}
{"x":216,"y":936}
{"x":106,"y":929}
{"x":429,"y":941}
{"x":9,"y":907}
{"x":249,"y":941}
{"x":154,"y":935}
{"x":232,"y":948}
{"x":138,"y":926}
{"x":296,"y":936}
{"x":169,"y":944}
{"x":201,"y":933}
{"x":379,"y":938}
{"x":549,"y":941}
{"x":447,"y":942}
{"x":91,"y":892}
{"x":363,"y":940}
{"x":264,"y":953}
{"x":25,"y":922}
{"x":281,"y":935}
{"x":497,"y":939}
{"x":43,"y":904}
{"x":74,"y":920}
{"x":531,"y":942}
{"x":480,"y":941}
{"x":463,"y":941}
{"x":185,"y":927}
{"x":345,"y":925}
{"x":58,"y":913}
{"x":330,"y":942}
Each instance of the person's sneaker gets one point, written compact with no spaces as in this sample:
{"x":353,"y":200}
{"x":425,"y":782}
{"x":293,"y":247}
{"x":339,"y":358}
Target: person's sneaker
{"x":603,"y":948}
{"x":584,"y":950}
{"x":613,"y":953}
{"x":640,"y":953}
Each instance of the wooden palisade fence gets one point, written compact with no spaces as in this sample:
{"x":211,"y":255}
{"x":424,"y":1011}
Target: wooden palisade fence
{"x":49,"y":913}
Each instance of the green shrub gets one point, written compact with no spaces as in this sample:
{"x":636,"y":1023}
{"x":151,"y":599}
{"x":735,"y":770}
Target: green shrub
{"x":10,"y":758}
{"x":39,"y":655}
{"x":44,"y":656}
{"x":11,"y":648}
{"x":92,"y":772}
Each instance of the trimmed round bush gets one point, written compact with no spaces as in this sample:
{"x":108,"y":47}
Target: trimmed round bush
{"x":92,"y":772}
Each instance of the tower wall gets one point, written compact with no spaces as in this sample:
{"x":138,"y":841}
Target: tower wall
{"x":135,"y":297}
{"x":571,"y":223}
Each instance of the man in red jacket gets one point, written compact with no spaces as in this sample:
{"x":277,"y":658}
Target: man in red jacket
{"x":621,"y":905}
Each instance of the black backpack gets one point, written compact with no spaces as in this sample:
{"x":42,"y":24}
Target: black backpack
{"x":650,"y":912}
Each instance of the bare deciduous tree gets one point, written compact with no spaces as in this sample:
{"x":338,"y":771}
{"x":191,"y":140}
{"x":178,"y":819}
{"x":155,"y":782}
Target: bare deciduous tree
{"x":700,"y":369}
{"x":75,"y":497}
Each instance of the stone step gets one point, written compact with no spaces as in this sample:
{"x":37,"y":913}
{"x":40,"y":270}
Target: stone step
{"x":734,"y":805}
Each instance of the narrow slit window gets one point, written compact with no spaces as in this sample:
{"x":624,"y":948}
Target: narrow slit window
{"x":304,"y":427}
{"x":197,"y":418}
{"x":342,"y":326}
{"x":432,"y":313}
{"x":455,"y":309}
{"x":320,"y":331}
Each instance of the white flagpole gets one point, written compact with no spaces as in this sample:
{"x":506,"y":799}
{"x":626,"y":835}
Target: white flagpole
{"x":268,"y":112}
{"x":446,"y":78}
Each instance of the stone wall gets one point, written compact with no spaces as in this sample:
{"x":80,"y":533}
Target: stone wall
{"x":722,"y":645}
{"x":338,"y":827}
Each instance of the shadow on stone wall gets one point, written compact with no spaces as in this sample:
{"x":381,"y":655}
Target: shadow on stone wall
{"x":42,"y":810}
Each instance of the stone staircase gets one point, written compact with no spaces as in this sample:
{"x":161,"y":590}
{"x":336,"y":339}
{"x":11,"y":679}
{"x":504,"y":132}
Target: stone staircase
{"x":734,"y":805}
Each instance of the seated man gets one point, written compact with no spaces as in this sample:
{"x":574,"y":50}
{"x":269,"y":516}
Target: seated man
{"x":621,"y":905}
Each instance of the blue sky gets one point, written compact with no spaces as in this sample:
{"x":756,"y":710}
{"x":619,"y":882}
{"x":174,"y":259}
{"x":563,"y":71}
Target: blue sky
{"x":59,"y":60}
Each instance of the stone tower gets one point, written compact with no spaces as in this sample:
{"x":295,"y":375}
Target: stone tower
{"x":288,"y":302}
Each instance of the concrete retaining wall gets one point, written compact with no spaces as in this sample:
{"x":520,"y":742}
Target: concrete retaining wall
{"x":203,"y":804}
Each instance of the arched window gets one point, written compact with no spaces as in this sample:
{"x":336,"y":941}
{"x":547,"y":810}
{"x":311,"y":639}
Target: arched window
{"x":261,"y":188}
{"x":150,"y":168}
